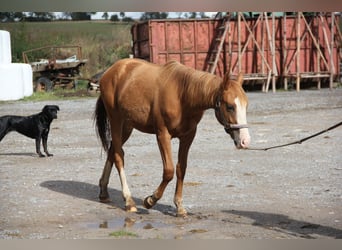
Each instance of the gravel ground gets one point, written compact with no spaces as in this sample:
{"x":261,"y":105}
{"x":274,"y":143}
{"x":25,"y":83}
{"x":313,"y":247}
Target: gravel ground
{"x":291,"y":192}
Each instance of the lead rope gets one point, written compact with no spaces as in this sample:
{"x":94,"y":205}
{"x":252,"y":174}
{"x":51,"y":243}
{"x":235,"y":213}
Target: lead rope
{"x":299,"y":141}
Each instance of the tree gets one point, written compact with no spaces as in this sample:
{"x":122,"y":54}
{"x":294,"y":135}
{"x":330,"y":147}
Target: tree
{"x":114,"y":18}
{"x":40,"y":16}
{"x":11,"y":16}
{"x":192,"y":14}
{"x":203,"y":15}
{"x":77,"y":16}
{"x":127,"y":19}
{"x":153,"y":15}
{"x":105,"y":15}
{"x":122,"y":15}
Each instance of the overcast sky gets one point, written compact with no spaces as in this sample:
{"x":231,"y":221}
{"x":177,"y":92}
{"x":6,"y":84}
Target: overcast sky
{"x":133,"y":14}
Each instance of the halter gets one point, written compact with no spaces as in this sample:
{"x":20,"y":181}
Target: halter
{"x":228,"y":127}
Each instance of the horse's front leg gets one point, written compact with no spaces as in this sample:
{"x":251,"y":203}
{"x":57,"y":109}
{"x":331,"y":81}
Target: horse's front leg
{"x":164,"y":143}
{"x":183,"y":151}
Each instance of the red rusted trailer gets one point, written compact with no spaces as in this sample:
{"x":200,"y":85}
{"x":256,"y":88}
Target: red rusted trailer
{"x":262,"y":47}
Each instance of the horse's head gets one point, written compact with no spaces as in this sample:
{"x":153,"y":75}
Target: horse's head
{"x":231,"y":108}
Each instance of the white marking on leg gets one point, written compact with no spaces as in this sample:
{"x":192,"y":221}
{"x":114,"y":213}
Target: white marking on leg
{"x":125,"y":190}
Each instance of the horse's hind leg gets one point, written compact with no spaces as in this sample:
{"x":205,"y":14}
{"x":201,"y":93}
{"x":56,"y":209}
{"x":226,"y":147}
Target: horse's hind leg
{"x":119,"y":163}
{"x":104,"y":196}
{"x":116,"y":155}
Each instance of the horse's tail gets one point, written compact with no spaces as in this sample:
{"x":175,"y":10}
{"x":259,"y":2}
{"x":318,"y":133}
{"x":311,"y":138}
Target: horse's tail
{"x":102,"y":124}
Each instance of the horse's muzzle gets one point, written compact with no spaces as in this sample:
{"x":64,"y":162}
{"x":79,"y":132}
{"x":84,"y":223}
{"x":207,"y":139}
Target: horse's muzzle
{"x":240,"y":137}
{"x":244,"y":144}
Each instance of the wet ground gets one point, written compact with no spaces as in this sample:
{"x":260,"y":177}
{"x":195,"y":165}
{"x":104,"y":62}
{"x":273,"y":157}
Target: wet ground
{"x":291,"y":192}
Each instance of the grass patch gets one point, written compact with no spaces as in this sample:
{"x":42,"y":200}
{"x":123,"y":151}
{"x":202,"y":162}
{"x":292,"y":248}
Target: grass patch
{"x":123,"y":233}
{"x":62,"y":94}
{"x":59,"y":95}
{"x":192,"y":184}
{"x":41,"y":96}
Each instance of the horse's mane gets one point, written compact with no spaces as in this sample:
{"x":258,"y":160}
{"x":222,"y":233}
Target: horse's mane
{"x":194,"y":86}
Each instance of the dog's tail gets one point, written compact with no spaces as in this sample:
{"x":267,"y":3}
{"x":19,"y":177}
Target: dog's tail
{"x":102,"y":124}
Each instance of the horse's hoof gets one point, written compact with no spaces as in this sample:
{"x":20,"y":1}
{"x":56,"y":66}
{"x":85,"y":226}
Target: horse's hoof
{"x":147,"y":202}
{"x":182,"y":213}
{"x":104,"y":200}
{"x":131,"y":209}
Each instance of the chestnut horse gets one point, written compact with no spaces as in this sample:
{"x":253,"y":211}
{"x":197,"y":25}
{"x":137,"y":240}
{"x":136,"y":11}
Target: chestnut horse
{"x":168,"y":101}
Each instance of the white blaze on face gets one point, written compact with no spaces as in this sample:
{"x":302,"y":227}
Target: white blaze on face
{"x":241,"y":111}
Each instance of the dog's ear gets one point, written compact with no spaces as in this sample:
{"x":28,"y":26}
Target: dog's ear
{"x":46,"y":107}
{"x":56,"y":107}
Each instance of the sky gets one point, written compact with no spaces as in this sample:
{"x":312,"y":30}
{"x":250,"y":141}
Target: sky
{"x":134,"y":15}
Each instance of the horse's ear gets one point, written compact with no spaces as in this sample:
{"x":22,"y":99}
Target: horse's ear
{"x":240,"y":78}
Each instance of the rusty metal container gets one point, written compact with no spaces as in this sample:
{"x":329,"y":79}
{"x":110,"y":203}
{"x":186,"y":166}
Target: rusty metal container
{"x":186,"y":41}
{"x":189,"y":42}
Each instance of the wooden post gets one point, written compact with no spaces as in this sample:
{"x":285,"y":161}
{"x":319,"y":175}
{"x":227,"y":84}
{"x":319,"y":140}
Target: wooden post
{"x":230,"y":37}
{"x":298,"y":53}
{"x":284,"y":52}
{"x":263,"y":51}
{"x":332,"y":67}
{"x":239,"y":41}
{"x":269,"y":40}
{"x":274,"y":66}
{"x":318,"y":57}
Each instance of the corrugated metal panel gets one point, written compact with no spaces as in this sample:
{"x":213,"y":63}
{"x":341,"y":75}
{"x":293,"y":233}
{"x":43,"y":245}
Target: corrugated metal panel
{"x":189,"y":41}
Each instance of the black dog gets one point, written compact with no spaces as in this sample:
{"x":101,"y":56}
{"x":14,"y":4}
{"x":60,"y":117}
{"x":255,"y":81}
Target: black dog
{"x":35,"y":126}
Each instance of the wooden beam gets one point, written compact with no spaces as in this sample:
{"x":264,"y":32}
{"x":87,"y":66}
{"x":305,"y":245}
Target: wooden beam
{"x":318,"y":58}
{"x":256,"y":43}
{"x":263,"y":51}
{"x":284,"y":52}
{"x":298,"y":53}
{"x":274,"y":66}
{"x":315,"y":41}
{"x":332,"y":67}
{"x":239,"y":41}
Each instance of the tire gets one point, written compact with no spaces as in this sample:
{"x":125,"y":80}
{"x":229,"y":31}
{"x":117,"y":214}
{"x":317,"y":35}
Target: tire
{"x":44,"y":83}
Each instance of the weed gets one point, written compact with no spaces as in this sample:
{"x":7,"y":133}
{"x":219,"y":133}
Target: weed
{"x":123,"y":233}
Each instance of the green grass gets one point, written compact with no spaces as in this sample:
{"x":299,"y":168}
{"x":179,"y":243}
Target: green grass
{"x":41,"y":96}
{"x":62,"y":94}
{"x":102,"y":42}
{"x":58,"y":95}
{"x":122,"y":233}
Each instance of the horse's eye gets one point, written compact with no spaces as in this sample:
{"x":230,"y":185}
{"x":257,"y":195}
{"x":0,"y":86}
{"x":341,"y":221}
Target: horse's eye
{"x":230,"y":108}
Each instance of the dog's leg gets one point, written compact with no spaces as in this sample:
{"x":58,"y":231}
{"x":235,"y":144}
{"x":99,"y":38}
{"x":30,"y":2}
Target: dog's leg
{"x":4,"y":128}
{"x":2,"y":134}
{"x":38,"y":147}
{"x":45,"y":146}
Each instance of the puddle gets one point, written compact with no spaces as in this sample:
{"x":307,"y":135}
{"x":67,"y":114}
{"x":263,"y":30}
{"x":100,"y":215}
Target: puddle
{"x":127,"y":222}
